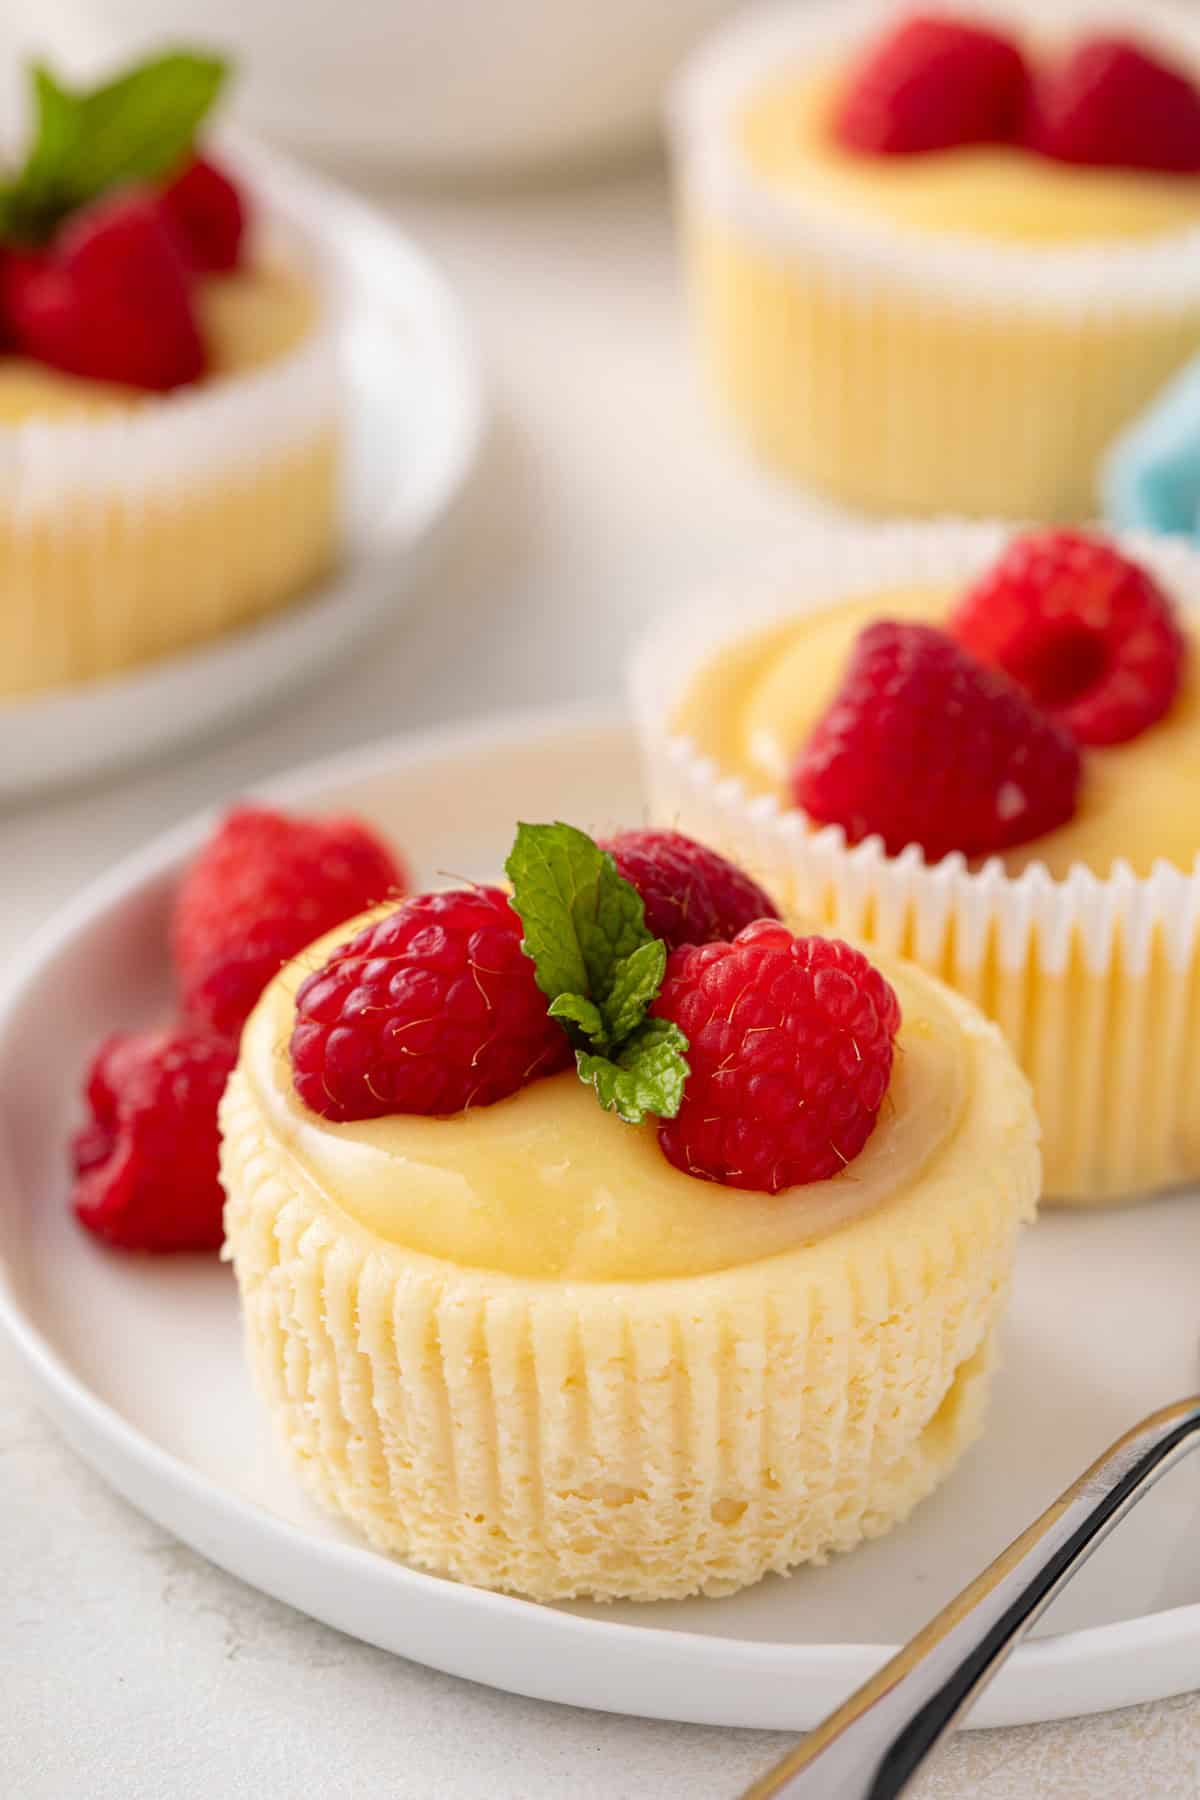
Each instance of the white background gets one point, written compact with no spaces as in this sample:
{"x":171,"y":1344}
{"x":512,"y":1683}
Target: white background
{"x":130,"y":1668}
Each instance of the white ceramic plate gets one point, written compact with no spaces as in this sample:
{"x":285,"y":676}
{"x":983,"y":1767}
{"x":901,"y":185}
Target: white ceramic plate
{"x":414,"y":418}
{"x":140,"y":1362}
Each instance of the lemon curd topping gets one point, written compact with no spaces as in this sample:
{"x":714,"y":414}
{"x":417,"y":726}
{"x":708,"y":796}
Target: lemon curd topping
{"x":253,"y":316}
{"x":993,"y":191}
{"x":545,"y":1184}
{"x":752,"y":705}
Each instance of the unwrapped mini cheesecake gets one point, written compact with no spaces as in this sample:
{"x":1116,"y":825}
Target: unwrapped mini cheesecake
{"x":738,"y":1315}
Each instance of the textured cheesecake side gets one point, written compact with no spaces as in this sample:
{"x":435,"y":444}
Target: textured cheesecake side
{"x":639,"y":1440}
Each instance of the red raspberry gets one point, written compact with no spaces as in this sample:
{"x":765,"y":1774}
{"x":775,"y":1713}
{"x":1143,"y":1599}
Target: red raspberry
{"x":924,"y":745}
{"x":1085,"y":631}
{"x":146,"y":1162}
{"x":691,"y":895}
{"x":37,"y":305}
{"x":931,"y":84}
{"x":1112,"y":103}
{"x":205,"y":210}
{"x":790,"y":1049}
{"x":261,"y":890}
{"x":430,"y":1010}
{"x":110,"y":300}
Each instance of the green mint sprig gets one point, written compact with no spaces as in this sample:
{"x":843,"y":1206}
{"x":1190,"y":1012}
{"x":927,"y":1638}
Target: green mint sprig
{"x":140,"y":126}
{"x":599,"y":967}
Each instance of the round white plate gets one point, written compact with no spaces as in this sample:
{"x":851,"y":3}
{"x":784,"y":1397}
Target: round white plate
{"x":414,"y":418}
{"x":139,"y":1360}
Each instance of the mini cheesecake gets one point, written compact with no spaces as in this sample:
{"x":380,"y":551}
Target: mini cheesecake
{"x":1082,"y":943}
{"x":137,"y":525}
{"x":963,"y":331}
{"x":518,"y":1347}
{"x":169,"y":391}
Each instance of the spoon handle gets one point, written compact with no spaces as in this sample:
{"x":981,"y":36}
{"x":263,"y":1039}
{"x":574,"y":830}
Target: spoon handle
{"x":871,"y":1747}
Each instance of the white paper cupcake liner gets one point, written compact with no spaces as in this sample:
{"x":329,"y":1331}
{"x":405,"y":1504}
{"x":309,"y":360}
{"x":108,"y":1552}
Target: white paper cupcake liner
{"x":910,"y":371}
{"x":128,"y":535}
{"x":1095,"y":978}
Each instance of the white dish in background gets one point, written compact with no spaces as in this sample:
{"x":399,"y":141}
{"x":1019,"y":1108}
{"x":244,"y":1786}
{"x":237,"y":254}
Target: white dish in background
{"x":414,"y":420}
{"x":456,"y":86}
{"x":140,"y":1360}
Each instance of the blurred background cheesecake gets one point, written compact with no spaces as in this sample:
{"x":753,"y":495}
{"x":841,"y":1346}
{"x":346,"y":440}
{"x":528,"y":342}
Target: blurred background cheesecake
{"x":938,"y":261}
{"x":169,"y":392}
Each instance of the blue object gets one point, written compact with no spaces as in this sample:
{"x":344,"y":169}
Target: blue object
{"x":1150,"y":478}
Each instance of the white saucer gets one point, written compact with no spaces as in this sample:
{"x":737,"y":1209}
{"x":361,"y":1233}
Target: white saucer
{"x":414,"y":420}
{"x":140,"y":1362}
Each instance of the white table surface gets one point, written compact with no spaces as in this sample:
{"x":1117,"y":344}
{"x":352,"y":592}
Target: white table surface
{"x":129,"y":1668}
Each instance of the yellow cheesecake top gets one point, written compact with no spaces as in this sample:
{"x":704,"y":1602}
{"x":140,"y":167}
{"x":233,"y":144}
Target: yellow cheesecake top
{"x":546,"y":1185}
{"x":248,"y":318}
{"x":752,"y":705}
{"x":989,"y":191}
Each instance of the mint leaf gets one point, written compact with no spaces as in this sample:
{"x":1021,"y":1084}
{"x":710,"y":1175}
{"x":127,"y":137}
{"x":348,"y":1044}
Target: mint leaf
{"x":646,"y":1075}
{"x":581,"y":919}
{"x":600,"y":967}
{"x":634,"y":985}
{"x":580,"y":1011}
{"x":138,"y":127}
{"x":38,"y":190}
{"x":58,"y":124}
{"x":141,"y":126}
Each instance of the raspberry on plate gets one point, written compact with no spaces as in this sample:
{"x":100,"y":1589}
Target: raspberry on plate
{"x":790,"y":1045}
{"x":109,"y":300}
{"x":924,"y":745}
{"x":932,"y":83}
{"x":205,"y":210}
{"x":690,"y":893}
{"x":260,"y":891}
{"x":146,"y":1162}
{"x":1083,"y":629}
{"x":1113,"y":103}
{"x":432,"y":1009}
